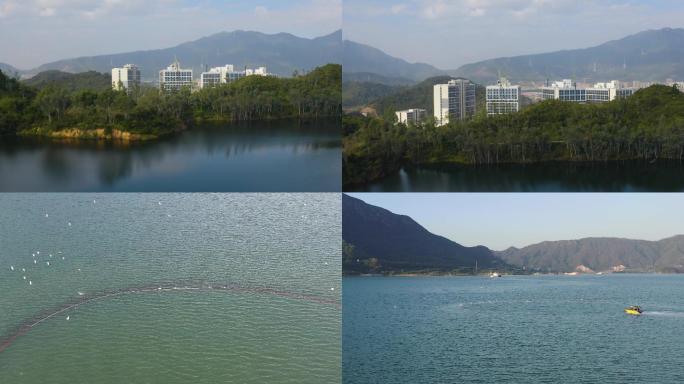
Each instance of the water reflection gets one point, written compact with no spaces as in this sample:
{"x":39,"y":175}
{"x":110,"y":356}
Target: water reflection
{"x":617,"y":176}
{"x":273,"y":156}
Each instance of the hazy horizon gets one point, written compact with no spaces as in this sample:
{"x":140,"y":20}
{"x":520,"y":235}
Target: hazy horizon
{"x":415,"y":30}
{"x":63,"y":29}
{"x":501,"y":220}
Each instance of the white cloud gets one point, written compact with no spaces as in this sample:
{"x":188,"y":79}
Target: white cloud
{"x":261,"y":12}
{"x":398,"y":8}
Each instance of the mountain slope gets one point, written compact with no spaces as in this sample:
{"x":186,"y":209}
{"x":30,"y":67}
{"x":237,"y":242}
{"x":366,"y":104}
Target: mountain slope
{"x":281,"y":53}
{"x":71,"y":81}
{"x":360,"y":58}
{"x":600,"y":254}
{"x":399,"y":243}
{"x":648,"y":56}
{"x":8,"y":69}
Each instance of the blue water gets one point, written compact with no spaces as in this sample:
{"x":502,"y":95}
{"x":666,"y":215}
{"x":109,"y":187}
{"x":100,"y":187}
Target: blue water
{"x":276,"y":156}
{"x":535,"y":329}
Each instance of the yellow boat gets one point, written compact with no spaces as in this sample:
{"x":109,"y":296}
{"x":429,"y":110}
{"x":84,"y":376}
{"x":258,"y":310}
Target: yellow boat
{"x":633,"y":310}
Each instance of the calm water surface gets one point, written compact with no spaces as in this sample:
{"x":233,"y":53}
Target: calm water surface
{"x":546,"y":329}
{"x":630,"y":176}
{"x":281,"y":241}
{"x":283,"y":156}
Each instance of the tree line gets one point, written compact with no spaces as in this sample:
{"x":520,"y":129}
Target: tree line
{"x":648,"y":125}
{"x":149,"y":111}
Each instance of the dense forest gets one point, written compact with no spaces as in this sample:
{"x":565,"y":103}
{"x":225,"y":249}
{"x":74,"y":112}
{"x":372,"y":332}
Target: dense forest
{"x":54,"y":107}
{"x":648,"y":126}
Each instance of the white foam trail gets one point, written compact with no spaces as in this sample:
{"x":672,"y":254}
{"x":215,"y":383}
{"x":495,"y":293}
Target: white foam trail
{"x":664,"y":313}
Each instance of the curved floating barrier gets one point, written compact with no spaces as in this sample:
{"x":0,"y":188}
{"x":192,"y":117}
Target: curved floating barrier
{"x":7,"y":340}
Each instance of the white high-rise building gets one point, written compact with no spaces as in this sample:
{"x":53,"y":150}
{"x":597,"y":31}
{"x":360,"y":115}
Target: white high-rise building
{"x":567,"y":90}
{"x":173,"y":78}
{"x":126,"y":77}
{"x":219,"y":75}
{"x":411,"y":116}
{"x":227,"y":74}
{"x":261,"y":71}
{"x":454,"y":101}
{"x":502,"y":98}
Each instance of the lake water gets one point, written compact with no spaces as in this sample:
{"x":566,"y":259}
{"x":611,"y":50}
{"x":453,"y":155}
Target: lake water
{"x":545,"y":329}
{"x":623,"y":176}
{"x":282,"y":156}
{"x":281,"y":322}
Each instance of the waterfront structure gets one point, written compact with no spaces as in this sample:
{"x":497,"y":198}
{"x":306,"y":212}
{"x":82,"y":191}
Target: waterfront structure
{"x":502,"y":98}
{"x":453,"y":101}
{"x":126,"y":77}
{"x":411,"y":116}
{"x":567,"y":90}
{"x":173,"y":78}
{"x":227,"y":74}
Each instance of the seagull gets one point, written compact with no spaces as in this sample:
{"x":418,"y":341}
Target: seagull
{"x":23,"y":269}
{"x":93,"y":201}
{"x":160,"y":203}
{"x":80,"y":293}
{"x":11,"y":267}
{"x":332,"y":289}
{"x":51,"y":255}
{"x":67,"y":318}
{"x":62,"y":257}
{"x":70,"y":223}
{"x":46,"y":215}
{"x":79,"y":269}
{"x":24,"y":277}
{"x":35,"y":262}
{"x":48,"y":263}
{"x":30,"y":282}
{"x":33,"y":254}
{"x":37,"y":252}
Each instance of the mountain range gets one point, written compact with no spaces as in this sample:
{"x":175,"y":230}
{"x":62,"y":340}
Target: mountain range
{"x":379,"y":241}
{"x":376,"y":239}
{"x":281,"y":53}
{"x":653,"y":55}
{"x":648,"y":56}
{"x":8,"y":69}
{"x":361,"y":58}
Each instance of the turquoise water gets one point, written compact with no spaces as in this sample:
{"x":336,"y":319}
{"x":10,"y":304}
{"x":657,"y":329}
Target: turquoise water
{"x":280,"y":324}
{"x":536,"y":329}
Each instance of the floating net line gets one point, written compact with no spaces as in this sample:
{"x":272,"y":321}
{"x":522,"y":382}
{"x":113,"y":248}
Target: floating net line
{"x":7,"y":340}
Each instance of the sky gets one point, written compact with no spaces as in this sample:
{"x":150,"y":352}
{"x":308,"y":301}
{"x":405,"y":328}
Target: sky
{"x":34,"y":32}
{"x":450,"y":33}
{"x":501,"y":220}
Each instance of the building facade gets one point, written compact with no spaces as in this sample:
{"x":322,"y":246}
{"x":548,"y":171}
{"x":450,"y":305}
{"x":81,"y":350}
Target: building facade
{"x":502,"y":98}
{"x":411,"y":116}
{"x":126,"y":77}
{"x":567,"y":90}
{"x":454,"y":101}
{"x":173,"y":78}
{"x":227,"y":74}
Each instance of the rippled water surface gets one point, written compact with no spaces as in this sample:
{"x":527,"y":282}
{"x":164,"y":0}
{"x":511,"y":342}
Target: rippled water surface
{"x":278,"y":156}
{"x":278,"y":253}
{"x":545,"y":329}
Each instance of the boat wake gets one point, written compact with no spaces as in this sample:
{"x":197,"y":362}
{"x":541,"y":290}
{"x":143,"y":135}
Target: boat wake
{"x":664,"y":313}
{"x":83,"y":298}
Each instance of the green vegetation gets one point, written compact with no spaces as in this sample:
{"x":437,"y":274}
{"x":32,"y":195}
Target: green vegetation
{"x":358,"y":93}
{"x":649,"y":126}
{"x":90,"y":80}
{"x":72,"y":110}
